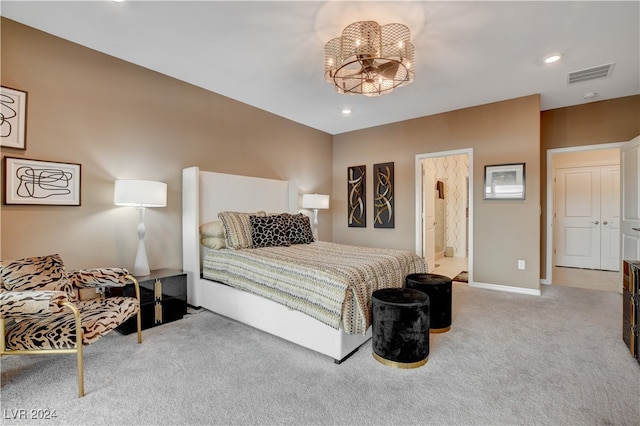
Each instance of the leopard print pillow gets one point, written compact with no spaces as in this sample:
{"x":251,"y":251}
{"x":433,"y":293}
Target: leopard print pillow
{"x":299,"y":229}
{"x":36,"y":273}
{"x":268,"y":231}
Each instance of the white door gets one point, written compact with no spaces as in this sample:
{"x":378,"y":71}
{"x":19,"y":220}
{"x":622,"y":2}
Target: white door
{"x":630,"y":208}
{"x":588,"y":217}
{"x":610,"y":218}
{"x":429,"y":209}
{"x":577,"y":217}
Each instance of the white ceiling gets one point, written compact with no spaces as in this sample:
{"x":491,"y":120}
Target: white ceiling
{"x":271,"y":54}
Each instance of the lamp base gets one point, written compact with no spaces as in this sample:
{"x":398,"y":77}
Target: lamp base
{"x":315,"y":224}
{"x":141,"y":264}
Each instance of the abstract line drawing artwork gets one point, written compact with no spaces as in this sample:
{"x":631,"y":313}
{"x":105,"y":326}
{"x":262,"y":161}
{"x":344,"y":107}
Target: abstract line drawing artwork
{"x":383,"y":201}
{"x":13,"y":118}
{"x":357,"y":206}
{"x":41,"y":182}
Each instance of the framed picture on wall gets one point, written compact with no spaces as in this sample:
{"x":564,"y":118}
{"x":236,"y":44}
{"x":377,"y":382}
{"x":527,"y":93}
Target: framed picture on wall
{"x":504,"y":182}
{"x":383,"y":200}
{"x":13,"y":118}
{"x":39,"y":182}
{"x":356,"y":196}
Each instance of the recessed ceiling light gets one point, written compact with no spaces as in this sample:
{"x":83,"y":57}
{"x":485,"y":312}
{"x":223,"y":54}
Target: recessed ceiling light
{"x":552,"y":58}
{"x":346,"y":111}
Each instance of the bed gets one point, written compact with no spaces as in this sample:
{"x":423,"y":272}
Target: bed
{"x":205,"y":195}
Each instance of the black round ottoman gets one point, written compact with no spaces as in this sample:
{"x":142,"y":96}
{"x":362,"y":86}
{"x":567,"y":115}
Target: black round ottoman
{"x":438,"y":288}
{"x":400,"y":327}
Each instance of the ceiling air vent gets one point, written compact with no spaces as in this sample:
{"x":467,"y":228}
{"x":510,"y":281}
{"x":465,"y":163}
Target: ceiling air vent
{"x":590,"y":73}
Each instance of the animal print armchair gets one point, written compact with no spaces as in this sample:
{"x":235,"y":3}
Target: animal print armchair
{"x":41,"y":313}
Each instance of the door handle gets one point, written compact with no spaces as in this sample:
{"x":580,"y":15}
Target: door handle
{"x":636,"y":229}
{"x":595,"y":223}
{"x":605,"y":222}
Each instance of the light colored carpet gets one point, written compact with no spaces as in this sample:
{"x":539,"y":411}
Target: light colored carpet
{"x":558,"y":359}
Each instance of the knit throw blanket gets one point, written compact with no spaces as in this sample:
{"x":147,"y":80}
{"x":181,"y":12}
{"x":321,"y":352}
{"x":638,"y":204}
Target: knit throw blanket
{"x":330,"y":282}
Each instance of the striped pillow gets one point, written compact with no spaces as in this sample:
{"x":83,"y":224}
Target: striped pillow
{"x":237,"y":228}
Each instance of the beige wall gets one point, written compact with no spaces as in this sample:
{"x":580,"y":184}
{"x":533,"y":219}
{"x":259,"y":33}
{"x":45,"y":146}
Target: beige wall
{"x":122,"y":121}
{"x":595,"y":123}
{"x":615,"y":120}
{"x":503,"y":231}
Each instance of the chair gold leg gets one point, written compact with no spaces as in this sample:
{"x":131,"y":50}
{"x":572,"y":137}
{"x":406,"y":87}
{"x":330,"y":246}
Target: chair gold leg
{"x":3,"y":346}
{"x":80,"y":373}
{"x":140,"y":326}
{"x":78,"y":348}
{"x":136,"y":285}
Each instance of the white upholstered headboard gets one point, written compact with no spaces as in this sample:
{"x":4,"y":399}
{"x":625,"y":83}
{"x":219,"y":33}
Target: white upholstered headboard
{"x":205,"y":194}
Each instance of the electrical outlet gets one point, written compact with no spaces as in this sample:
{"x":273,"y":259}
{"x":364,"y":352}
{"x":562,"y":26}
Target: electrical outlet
{"x":520,"y":264}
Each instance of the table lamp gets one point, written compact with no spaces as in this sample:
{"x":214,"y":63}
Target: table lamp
{"x":315,"y":202}
{"x":140,"y":194}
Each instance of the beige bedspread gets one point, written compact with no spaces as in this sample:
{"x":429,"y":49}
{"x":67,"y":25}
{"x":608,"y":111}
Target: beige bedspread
{"x":329,"y":282}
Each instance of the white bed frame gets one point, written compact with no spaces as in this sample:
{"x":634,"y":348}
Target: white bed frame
{"x":204,"y":195}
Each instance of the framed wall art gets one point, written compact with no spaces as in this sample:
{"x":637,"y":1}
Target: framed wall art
{"x":13,"y":118}
{"x":504,"y":182}
{"x":41,"y":182}
{"x":356,"y":196}
{"x":383,"y":201}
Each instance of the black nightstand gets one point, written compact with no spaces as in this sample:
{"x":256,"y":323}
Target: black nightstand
{"x":163,"y":298}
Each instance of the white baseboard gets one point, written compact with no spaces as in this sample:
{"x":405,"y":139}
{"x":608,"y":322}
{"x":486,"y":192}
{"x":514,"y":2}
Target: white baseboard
{"x":507,"y":288}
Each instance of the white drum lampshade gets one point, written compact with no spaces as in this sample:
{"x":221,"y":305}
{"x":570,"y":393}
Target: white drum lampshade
{"x":140,"y":194}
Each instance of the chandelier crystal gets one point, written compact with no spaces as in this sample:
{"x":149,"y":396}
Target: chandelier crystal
{"x":369,"y":59}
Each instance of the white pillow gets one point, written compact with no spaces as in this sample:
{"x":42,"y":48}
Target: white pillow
{"x":215,"y":243}
{"x":212,"y":229}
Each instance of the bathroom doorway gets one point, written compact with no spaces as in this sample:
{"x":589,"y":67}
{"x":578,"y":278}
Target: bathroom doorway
{"x":443,"y":211}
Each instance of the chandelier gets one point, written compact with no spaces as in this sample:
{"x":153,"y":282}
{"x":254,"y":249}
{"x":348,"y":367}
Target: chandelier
{"x":369,"y":59}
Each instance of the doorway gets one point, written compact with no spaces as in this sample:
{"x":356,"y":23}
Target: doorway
{"x":443,"y":211}
{"x":583,"y":211}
